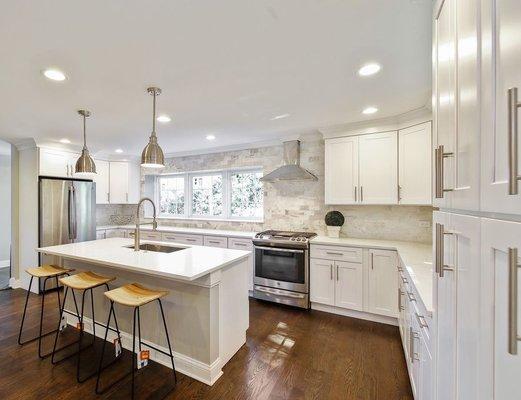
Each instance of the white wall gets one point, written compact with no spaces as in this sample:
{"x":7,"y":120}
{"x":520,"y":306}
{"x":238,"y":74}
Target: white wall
{"x":5,"y":208}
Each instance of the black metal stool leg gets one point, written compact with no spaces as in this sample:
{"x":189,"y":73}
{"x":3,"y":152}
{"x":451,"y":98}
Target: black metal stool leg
{"x":134,"y":357}
{"x":167,"y":339}
{"x":41,"y":320}
{"x":23,"y":315}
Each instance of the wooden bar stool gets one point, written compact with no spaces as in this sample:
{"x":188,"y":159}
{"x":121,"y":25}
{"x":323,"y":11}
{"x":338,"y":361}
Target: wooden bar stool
{"x":134,"y":295}
{"x":46,"y":272}
{"x":85,"y":282}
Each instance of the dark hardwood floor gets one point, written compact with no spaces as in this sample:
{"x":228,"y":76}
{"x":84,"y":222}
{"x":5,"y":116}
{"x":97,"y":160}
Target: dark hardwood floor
{"x":289,"y":354}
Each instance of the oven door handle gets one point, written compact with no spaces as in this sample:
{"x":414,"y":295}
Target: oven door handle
{"x":279,"y":249}
{"x":280,"y":292}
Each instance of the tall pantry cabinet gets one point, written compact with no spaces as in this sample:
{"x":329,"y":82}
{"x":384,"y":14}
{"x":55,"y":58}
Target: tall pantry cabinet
{"x":477,"y":232}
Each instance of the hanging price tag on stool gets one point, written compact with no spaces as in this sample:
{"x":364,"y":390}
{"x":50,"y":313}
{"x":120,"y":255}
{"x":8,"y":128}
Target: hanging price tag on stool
{"x":142,"y":360}
{"x":79,"y":326}
{"x":117,"y":347}
{"x":63,"y":323}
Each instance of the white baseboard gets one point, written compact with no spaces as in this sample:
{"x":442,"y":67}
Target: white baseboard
{"x":5,"y":263}
{"x":15,"y":283}
{"x":206,"y":373}
{"x":383,"y":319}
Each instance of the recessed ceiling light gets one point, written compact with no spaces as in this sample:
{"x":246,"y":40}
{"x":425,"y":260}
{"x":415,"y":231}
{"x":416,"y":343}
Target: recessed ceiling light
{"x":65,"y":141}
{"x":210,"y":137}
{"x":369,"y":69}
{"x":54,"y":74}
{"x":279,"y":117}
{"x":370,"y":110}
{"x":164,"y":118}
{"x":119,"y":150}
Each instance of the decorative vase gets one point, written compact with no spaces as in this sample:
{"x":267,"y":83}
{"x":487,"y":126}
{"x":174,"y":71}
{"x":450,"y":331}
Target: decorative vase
{"x":333,"y":231}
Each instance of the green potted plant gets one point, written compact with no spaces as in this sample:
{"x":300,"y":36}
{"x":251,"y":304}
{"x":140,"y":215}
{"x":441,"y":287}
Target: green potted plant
{"x":334,"y":221}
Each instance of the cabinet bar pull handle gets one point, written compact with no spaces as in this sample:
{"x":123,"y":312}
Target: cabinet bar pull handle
{"x":439,"y":156}
{"x":372,"y":260}
{"x":513,"y":175}
{"x":399,"y":193}
{"x":411,"y":344}
{"x":400,"y":307}
{"x":337,"y":277}
{"x":331,"y":253}
{"x":421,"y":321}
{"x":441,"y":267}
{"x":411,"y":296}
{"x":356,"y":195}
{"x":361,"y":193}
{"x":513,"y":266}
{"x":331,"y":271}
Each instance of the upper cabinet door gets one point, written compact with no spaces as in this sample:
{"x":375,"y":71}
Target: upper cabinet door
{"x":102,"y":182}
{"x":118,"y":182}
{"x":415,"y":164}
{"x":341,"y":170}
{"x":383,"y":286}
{"x":55,"y":163}
{"x":501,"y":64}
{"x":501,"y":309}
{"x":379,"y":168}
{"x":444,"y":89}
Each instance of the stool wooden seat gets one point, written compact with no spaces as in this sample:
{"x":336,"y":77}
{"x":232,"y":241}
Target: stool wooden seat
{"x":85,"y":280}
{"x":47,"y":271}
{"x":134,"y":295}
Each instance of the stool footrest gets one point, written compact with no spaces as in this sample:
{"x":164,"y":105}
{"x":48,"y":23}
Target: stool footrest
{"x":155,"y":348}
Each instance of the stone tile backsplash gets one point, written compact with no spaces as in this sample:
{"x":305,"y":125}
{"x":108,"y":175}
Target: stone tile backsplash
{"x":293,"y":205}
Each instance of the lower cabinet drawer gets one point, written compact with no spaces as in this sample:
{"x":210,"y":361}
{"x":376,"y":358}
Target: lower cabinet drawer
{"x":240,"y":244}
{"x":351,"y":254}
{"x":110,"y":233}
{"x":216,"y":241}
{"x":151,"y":235}
{"x":181,"y":238}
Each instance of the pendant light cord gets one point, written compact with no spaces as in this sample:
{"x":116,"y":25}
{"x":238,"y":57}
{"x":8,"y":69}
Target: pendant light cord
{"x":154,"y":115}
{"x":84,"y":132}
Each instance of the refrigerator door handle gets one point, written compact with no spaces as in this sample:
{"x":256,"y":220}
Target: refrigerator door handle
{"x":71,"y":211}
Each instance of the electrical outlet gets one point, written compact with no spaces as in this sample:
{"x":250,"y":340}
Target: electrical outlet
{"x":425,"y":224}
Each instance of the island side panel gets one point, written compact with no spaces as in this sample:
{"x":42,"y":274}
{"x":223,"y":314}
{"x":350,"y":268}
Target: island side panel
{"x":187,"y":311}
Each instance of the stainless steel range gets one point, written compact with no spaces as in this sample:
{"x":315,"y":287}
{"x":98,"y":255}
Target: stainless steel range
{"x":282,"y":267}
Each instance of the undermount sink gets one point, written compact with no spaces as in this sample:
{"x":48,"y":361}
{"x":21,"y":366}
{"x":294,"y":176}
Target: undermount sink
{"x":157,"y":248}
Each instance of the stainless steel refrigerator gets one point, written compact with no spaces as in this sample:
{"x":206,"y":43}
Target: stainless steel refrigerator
{"x":67,"y":214}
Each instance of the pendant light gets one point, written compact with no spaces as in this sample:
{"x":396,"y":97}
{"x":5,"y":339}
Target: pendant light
{"x":152,"y":156}
{"x":85,"y":164}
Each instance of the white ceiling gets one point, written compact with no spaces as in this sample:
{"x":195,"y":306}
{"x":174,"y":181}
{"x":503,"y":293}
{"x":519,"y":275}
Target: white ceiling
{"x":225,"y":67}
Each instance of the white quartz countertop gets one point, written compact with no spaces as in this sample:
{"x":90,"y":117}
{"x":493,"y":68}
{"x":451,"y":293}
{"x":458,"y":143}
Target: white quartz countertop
{"x":416,"y":257}
{"x":187,"y":265}
{"x":193,"y":231}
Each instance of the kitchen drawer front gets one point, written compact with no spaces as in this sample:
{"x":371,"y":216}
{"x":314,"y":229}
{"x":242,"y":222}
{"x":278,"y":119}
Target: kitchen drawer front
{"x":181,"y":238}
{"x":111,"y":233}
{"x":216,"y":241}
{"x":150,"y":235}
{"x":350,"y":254}
{"x":240,"y":244}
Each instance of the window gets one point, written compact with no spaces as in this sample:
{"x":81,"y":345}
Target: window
{"x":171,"y":195}
{"x":207,"y":195}
{"x":235,"y":194}
{"x":246,"y":194}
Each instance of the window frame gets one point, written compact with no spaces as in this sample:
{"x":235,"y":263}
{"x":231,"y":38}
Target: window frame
{"x":188,"y":191}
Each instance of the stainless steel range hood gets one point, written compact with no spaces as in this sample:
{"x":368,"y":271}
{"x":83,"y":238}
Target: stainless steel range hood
{"x":291,"y":169}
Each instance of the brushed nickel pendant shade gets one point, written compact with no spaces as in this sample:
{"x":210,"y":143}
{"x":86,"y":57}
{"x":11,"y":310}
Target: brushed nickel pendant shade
{"x":152,"y":155}
{"x":85,"y":164}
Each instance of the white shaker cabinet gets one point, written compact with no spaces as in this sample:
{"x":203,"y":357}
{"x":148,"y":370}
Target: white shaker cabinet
{"x":247,"y":245}
{"x":501,"y":97}
{"x":382,"y":283}
{"x":57,"y":163}
{"x":348,"y":285}
{"x":378,"y":163}
{"x":341,"y":170}
{"x":414,"y":164}
{"x":501,"y":311}
{"x":322,"y":281}
{"x":456,"y":173}
{"x":102,"y":182}
{"x":457,"y":292}
{"x":124,"y":182}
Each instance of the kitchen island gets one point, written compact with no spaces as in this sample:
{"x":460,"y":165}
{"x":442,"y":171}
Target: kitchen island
{"x":206,"y":309}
